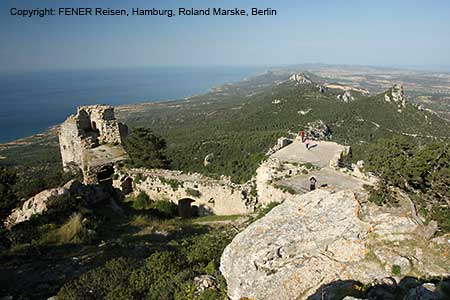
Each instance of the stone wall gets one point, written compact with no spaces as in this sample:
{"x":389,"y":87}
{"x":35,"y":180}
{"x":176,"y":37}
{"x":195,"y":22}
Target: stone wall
{"x":211,"y":196}
{"x":70,"y":144}
{"x":265,"y":176}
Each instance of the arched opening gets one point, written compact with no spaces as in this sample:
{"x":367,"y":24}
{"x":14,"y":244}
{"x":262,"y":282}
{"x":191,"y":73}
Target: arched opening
{"x":94,"y":126}
{"x":185,"y":210}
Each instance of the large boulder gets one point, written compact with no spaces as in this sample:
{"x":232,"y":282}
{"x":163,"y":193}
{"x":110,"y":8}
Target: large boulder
{"x":320,"y":238}
{"x":41,"y":202}
{"x":318,"y":130}
{"x":37,"y":204}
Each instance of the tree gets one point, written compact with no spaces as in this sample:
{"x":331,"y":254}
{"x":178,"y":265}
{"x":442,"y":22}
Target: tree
{"x":146,"y":149}
{"x":8,"y":198}
{"x":421,"y":170}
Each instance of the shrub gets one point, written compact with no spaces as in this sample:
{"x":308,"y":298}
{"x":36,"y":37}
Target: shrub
{"x":73,"y":231}
{"x":286,"y":189}
{"x":142,"y":201}
{"x":165,"y":208}
{"x":396,"y":270}
{"x":262,"y":211}
{"x":146,"y":149}
{"x":174,"y":184}
{"x":193,"y":193}
{"x":101,"y":283}
{"x":8,"y":199}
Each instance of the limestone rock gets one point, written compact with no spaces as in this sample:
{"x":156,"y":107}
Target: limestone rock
{"x":208,"y":159}
{"x":35,"y":205}
{"x":300,"y":78}
{"x":41,"y":202}
{"x":396,"y":95}
{"x":204,"y":282}
{"x":318,"y":130}
{"x":319,"y":238}
{"x":346,"y":97}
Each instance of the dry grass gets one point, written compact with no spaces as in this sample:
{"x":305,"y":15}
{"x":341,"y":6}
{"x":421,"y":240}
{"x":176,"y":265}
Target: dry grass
{"x":141,"y":221}
{"x":73,"y":230}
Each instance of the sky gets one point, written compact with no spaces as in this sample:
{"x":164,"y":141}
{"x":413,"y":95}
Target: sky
{"x":380,"y":33}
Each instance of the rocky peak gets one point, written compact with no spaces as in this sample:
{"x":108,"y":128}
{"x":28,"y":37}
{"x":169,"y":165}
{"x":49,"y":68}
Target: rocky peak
{"x":300,"y":78}
{"x":396,"y":95}
{"x":346,"y":97}
{"x":318,"y":130}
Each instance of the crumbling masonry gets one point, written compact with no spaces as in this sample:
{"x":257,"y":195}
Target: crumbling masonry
{"x":91,"y":141}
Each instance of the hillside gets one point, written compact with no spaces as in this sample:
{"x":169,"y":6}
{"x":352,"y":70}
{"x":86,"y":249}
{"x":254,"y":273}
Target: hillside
{"x":238,"y":129}
{"x":137,"y":246}
{"x":239,"y":122}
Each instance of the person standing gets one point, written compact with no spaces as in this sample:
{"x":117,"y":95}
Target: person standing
{"x":302,"y":134}
{"x":307,"y":143}
{"x":312,"y":183}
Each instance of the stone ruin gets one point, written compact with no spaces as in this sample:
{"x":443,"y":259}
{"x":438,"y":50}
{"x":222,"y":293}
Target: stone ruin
{"x":91,"y":141}
{"x":396,"y":95}
{"x":281,"y":143}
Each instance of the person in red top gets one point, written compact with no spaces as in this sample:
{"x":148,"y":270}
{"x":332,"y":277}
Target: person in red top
{"x":302,"y":134}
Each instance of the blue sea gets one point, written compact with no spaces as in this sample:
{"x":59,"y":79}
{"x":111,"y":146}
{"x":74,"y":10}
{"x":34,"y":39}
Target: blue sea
{"x":31,"y":102}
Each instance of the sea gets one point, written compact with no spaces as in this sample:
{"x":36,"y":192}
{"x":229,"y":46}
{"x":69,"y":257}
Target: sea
{"x":33,"y":101}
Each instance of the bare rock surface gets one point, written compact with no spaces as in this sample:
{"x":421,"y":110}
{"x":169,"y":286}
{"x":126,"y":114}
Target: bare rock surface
{"x":319,"y":238}
{"x":37,"y":204}
{"x":41,"y":202}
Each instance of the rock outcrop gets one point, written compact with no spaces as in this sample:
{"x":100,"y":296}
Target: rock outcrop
{"x":318,"y":130}
{"x":37,"y":204}
{"x":346,"y":97}
{"x":396,"y":95}
{"x":42,"y":201}
{"x":300,"y":78}
{"x":320,"y":238}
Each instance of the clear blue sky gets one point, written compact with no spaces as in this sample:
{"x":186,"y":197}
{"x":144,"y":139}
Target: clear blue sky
{"x":386,"y":33}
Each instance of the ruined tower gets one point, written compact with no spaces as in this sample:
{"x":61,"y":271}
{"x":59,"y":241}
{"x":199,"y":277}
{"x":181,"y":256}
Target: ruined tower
{"x":91,"y":141}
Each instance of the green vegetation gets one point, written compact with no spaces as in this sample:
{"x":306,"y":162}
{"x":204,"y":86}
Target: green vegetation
{"x":160,"y":208}
{"x":165,"y":274}
{"x":174,"y":184}
{"x":165,"y":209}
{"x":262,"y":211}
{"x":286,"y":189}
{"x":422,"y":170}
{"x":144,"y":251}
{"x":146,"y":149}
{"x":396,"y":270}
{"x":239,"y":129}
{"x":113,"y":254}
{"x":193,"y":193}
{"x":141,"y":201}
{"x":8,"y":197}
